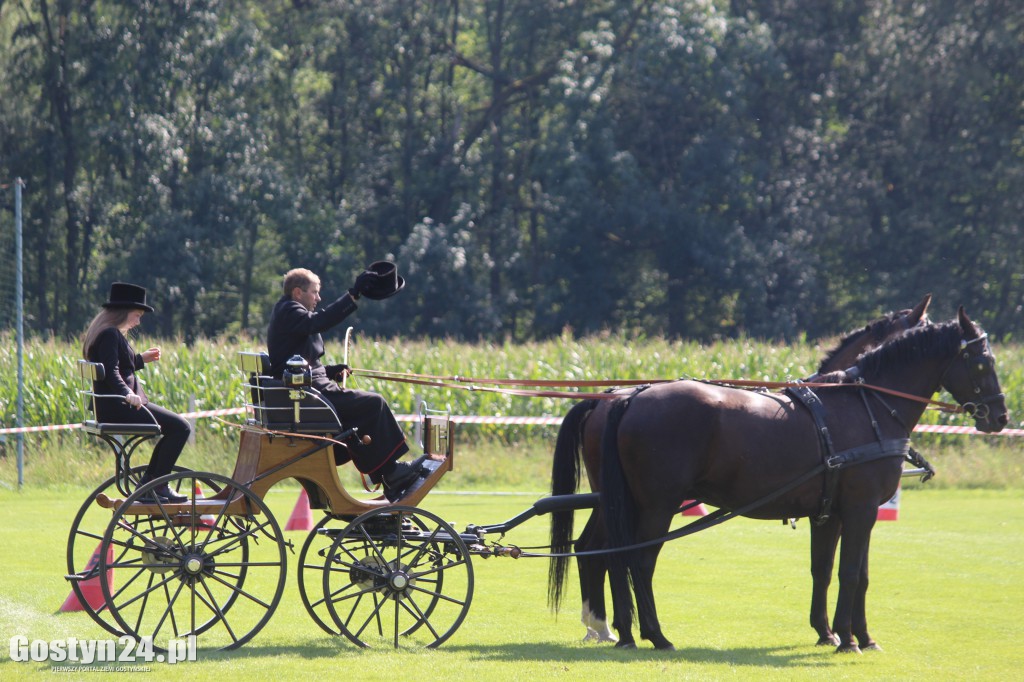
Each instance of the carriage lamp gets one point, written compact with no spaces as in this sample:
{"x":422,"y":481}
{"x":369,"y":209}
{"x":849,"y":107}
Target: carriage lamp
{"x":296,"y":373}
{"x":297,"y":376}
{"x":437,"y":429}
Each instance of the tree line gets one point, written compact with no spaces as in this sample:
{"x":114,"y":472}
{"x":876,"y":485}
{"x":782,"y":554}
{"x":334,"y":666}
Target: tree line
{"x":686,"y":168}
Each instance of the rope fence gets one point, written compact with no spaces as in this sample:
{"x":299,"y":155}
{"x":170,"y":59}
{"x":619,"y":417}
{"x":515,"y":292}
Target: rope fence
{"x":510,"y":421}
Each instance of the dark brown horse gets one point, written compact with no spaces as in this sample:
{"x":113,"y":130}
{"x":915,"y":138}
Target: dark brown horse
{"x":772,"y":456}
{"x":579,"y":440}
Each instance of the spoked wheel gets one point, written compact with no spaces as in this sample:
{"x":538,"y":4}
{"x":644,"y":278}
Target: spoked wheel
{"x":398,"y":576}
{"x":86,"y":536}
{"x":313,"y":561}
{"x":211,"y":568}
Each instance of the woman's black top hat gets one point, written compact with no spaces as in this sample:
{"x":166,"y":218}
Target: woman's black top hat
{"x":124,"y":295}
{"x":384,"y":281}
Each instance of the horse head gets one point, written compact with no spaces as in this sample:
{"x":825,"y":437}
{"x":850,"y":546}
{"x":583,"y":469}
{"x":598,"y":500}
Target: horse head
{"x":971,"y":378}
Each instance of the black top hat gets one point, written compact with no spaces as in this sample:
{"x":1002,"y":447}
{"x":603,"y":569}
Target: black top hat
{"x":124,"y":295}
{"x":385,"y":281}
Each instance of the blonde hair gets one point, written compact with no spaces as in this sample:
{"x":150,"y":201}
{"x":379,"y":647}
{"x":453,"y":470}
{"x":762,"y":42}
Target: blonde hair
{"x":299,"y":277}
{"x":108,"y":317}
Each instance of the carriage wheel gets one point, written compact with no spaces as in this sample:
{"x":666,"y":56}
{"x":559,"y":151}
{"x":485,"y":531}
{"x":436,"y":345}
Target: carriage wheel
{"x":85,"y":538}
{"x":313,"y":560}
{"x":398,"y":576}
{"x":195,"y":570}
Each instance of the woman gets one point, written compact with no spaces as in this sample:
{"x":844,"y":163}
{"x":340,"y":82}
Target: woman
{"x":106,"y":342}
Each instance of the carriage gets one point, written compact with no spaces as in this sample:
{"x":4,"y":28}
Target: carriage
{"x":214,"y":567}
{"x":392,"y":574}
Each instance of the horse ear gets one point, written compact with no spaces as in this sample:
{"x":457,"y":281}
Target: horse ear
{"x":965,"y":322}
{"x":919,"y":311}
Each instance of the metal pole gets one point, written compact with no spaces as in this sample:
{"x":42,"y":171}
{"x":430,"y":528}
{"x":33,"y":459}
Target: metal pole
{"x":193,"y":405}
{"x":21,"y":330}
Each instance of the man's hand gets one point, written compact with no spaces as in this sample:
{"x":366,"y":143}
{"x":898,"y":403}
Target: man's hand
{"x":338,"y":372}
{"x":363,"y":282}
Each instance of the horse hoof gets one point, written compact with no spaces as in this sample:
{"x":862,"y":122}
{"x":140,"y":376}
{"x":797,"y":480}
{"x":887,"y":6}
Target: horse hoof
{"x":873,"y":646}
{"x":625,"y":645}
{"x":828,"y":640}
{"x":848,"y":649}
{"x":667,"y":646}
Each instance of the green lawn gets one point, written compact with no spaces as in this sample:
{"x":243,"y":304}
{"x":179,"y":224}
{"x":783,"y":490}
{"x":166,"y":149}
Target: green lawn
{"x":946,"y":596}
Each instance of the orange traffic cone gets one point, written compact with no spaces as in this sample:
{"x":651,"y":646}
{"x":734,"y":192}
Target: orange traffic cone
{"x":890,"y":511}
{"x":91,"y":588}
{"x":696,"y":510}
{"x":206,"y":520}
{"x":302,"y":515}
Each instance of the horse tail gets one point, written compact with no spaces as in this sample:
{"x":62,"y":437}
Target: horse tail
{"x":617,"y":505}
{"x":565,"y":480}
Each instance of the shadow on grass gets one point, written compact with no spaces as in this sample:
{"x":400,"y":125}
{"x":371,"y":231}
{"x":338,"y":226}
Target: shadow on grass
{"x":772,"y":657}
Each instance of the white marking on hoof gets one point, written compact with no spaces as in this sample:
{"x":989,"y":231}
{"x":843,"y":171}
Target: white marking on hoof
{"x":597,"y":629}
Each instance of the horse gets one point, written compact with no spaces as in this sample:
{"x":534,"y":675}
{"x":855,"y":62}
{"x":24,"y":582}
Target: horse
{"x":782,"y":455}
{"x":579,"y":439}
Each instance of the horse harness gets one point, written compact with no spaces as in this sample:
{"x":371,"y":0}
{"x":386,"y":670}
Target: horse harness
{"x":833,"y":462}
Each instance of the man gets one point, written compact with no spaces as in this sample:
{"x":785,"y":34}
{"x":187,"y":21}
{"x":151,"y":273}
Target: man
{"x":295,"y":327}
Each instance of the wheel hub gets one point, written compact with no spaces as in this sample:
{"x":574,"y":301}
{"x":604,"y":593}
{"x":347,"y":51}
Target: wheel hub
{"x":193,"y":564}
{"x":391,"y":579}
{"x":398,"y":581}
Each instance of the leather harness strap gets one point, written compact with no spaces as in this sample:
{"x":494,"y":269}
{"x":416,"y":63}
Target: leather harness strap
{"x":833,"y":461}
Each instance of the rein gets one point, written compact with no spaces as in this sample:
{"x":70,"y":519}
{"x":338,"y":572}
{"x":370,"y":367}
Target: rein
{"x":703,"y":523}
{"x":493,"y":386}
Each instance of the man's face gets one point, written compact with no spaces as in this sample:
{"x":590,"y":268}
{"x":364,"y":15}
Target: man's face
{"x":308,"y":297}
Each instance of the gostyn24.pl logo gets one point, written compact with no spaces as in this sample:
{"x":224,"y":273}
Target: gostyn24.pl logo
{"x":88,"y":651}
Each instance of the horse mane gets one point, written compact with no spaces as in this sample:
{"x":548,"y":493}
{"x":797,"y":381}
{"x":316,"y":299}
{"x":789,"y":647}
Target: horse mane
{"x":879,"y":330}
{"x":837,"y":377}
{"x":928,"y":342}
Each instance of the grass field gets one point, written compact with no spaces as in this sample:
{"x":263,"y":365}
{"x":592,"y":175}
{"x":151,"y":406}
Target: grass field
{"x":945,"y":601}
{"x":947,"y":584}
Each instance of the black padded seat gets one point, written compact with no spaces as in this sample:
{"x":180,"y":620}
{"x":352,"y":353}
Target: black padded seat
{"x":272,"y":404}
{"x":316,"y":415}
{"x":105,"y":429}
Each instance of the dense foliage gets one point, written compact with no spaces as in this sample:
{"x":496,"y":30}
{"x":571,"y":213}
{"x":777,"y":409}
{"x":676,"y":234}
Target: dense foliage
{"x":686,"y":168}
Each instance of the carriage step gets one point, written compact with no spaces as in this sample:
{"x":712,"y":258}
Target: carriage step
{"x":78,"y":577}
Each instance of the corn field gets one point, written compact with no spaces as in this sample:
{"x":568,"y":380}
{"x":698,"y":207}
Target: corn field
{"x":204,"y":374}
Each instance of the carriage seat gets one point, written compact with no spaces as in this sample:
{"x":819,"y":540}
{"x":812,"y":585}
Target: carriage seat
{"x":122,"y":439}
{"x":277,"y":407}
{"x":89,"y":373}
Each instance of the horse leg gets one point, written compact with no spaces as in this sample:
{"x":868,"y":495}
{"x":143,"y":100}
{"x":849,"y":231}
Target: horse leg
{"x":643,"y":585}
{"x":856,"y":534}
{"x":824,"y":539}
{"x":622,"y":603}
{"x":859,"y":623}
{"x":592,"y":571}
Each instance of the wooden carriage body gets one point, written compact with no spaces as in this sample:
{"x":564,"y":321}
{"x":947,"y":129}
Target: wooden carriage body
{"x":289,"y":432}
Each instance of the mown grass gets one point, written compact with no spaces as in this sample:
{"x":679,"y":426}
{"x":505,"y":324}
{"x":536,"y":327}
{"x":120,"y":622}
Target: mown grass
{"x":947,"y":582}
{"x":946,"y":578}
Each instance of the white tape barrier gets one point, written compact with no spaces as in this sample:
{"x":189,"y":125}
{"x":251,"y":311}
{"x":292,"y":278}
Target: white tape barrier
{"x":509,"y":421}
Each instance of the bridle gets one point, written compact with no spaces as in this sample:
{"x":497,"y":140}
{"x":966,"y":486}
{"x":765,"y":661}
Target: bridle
{"x":978,"y":367}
